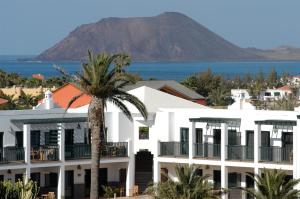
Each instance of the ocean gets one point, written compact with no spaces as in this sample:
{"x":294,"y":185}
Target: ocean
{"x":158,"y":70}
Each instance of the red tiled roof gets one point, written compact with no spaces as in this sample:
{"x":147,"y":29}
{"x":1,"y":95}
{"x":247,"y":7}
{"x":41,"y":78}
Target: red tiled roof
{"x":63,"y":95}
{"x":3,"y":101}
{"x":285,"y":88}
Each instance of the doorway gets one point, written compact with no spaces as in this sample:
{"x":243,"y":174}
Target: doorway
{"x":102,"y":181}
{"x":69,"y":183}
{"x":143,"y":169}
{"x":217,"y":142}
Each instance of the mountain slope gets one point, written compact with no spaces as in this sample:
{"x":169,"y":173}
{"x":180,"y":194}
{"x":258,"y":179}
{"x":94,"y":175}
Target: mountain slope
{"x":170,"y":36}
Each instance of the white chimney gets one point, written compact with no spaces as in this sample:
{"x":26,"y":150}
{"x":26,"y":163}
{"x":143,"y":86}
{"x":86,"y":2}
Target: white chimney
{"x":48,"y":100}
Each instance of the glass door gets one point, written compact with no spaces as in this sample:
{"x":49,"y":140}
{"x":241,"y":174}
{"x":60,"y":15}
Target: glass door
{"x":184,"y":141}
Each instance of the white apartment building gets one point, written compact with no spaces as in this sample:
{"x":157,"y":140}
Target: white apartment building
{"x":53,"y":147}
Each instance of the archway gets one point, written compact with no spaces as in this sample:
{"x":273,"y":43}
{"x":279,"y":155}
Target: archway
{"x":143,"y":169}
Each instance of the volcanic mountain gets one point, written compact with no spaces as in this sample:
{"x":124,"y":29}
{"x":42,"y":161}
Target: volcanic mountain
{"x":169,"y":36}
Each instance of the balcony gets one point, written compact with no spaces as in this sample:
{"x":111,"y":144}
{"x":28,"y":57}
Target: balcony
{"x":45,"y":153}
{"x":276,"y":154}
{"x":239,"y":152}
{"x":207,"y":150}
{"x":12,"y":155}
{"x":83,"y":151}
{"x":175,"y":149}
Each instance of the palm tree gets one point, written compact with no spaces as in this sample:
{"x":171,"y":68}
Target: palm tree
{"x":103,"y":78}
{"x":273,"y":184}
{"x":27,"y":101}
{"x":11,"y":103}
{"x":189,"y":185}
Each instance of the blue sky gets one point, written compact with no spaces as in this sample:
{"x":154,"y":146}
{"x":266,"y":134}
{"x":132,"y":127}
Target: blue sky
{"x":31,"y":26}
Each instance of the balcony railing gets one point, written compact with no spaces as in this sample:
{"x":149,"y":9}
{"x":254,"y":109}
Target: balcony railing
{"x":238,"y":152}
{"x":77,"y":151}
{"x":207,"y":150}
{"x":276,"y":154}
{"x":115,"y":149}
{"x":83,"y":151}
{"x":45,"y":153}
{"x":11,"y":155}
{"x":174,"y":149}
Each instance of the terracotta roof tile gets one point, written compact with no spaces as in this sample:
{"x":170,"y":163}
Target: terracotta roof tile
{"x":63,"y":95}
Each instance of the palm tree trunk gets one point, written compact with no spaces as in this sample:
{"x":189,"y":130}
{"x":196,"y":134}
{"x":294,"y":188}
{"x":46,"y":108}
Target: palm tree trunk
{"x":96,"y":122}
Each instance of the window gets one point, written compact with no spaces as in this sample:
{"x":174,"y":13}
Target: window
{"x":234,"y":180}
{"x":18,"y":177}
{"x":267,"y":94}
{"x":51,"y":138}
{"x":199,"y":136}
{"x":199,"y":172}
{"x":19,"y":138}
{"x":35,"y":138}
{"x":277,"y":94}
{"x":69,"y":136}
{"x":87,"y":136}
{"x":143,"y":133}
{"x":51,"y":180}
{"x":36,"y":177}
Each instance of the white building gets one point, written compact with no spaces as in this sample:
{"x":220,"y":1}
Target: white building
{"x":275,"y":94}
{"x":53,"y":147}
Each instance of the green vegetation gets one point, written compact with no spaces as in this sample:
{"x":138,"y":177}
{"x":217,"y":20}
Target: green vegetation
{"x":274,"y":184}
{"x":24,"y":101}
{"x":23,"y":189}
{"x":189,"y":185}
{"x":216,"y":89}
{"x":11,"y":79}
{"x":103,"y":78}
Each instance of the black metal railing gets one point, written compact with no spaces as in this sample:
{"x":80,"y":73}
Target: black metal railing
{"x":239,"y":152}
{"x":276,"y":154}
{"x":12,"y":154}
{"x":114,"y":149}
{"x":77,"y":151}
{"x":207,"y":150}
{"x":109,"y":150}
{"x":45,"y":153}
{"x":174,"y":149}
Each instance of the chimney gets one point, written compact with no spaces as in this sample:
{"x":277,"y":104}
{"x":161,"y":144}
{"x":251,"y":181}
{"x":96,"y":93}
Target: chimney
{"x":48,"y":100}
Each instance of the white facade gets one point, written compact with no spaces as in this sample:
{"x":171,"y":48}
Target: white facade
{"x":274,"y":94}
{"x":226,"y":144}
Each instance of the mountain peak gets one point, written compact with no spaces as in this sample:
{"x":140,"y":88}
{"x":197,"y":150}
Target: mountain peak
{"x":170,"y":36}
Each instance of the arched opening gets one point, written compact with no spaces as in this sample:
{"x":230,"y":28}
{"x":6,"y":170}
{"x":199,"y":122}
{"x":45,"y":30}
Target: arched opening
{"x":143,"y":169}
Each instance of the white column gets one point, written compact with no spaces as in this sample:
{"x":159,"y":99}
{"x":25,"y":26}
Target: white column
{"x":224,"y":179}
{"x":257,"y":143}
{"x":61,"y":183}
{"x":156,"y":171}
{"x":27,"y":173}
{"x":26,"y":143}
{"x":224,"y":141}
{"x":257,"y":171}
{"x":243,"y":184}
{"x":61,"y":141}
{"x":130,"y":169}
{"x":192,"y":131}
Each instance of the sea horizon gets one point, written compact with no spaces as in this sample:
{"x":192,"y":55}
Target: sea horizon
{"x":161,"y":70}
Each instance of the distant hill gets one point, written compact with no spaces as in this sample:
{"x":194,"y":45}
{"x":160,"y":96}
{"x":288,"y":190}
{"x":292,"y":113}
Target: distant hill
{"x":169,"y":36}
{"x":279,"y":53}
